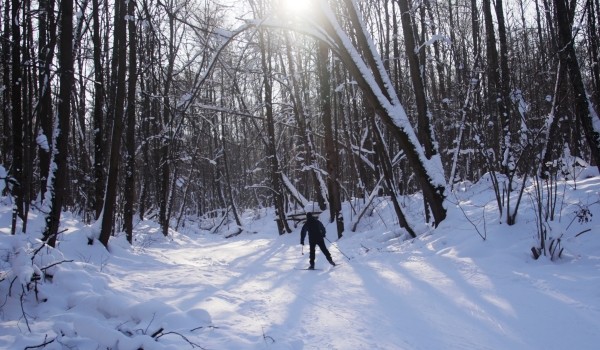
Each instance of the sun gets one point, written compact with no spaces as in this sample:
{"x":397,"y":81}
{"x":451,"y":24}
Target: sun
{"x":296,"y":7}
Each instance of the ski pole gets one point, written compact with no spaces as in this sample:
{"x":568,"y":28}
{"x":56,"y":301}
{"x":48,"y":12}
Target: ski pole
{"x":336,"y":247}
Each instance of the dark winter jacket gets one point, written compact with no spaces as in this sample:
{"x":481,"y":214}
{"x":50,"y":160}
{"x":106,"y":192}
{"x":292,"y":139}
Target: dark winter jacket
{"x":315,"y":229}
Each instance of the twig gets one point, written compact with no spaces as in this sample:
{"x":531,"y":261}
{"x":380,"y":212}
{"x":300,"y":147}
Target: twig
{"x":265,"y":337}
{"x":54,"y":264}
{"x":44,"y":244}
{"x":23,"y":308}
{"x":10,"y":286}
{"x":41,"y":345}
{"x":152,"y":320}
{"x":197,"y":328}
{"x":484,"y":235}
{"x":194,"y":345}
{"x":582,"y":232}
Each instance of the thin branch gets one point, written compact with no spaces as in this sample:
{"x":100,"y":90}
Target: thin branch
{"x":42,"y":345}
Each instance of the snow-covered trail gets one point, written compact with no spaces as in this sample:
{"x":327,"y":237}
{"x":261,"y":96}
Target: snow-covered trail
{"x":445,"y":289}
{"x":425,"y":297}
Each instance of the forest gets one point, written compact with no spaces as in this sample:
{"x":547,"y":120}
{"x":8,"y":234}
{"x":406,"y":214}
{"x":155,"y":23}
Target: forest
{"x":189,"y":112}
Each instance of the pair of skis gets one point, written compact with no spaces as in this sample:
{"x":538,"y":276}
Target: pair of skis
{"x":316,"y":268}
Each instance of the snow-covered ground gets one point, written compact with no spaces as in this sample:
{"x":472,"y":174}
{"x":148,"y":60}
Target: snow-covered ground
{"x":446,"y":289}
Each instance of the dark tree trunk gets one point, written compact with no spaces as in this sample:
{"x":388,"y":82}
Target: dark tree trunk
{"x":277,"y":188}
{"x":17,"y":117}
{"x":47,"y":43}
{"x":303,"y":128}
{"x":415,"y":62}
{"x":164,"y":150}
{"x":594,"y":51}
{"x":493,"y":79}
{"x":335,"y":205}
{"x":504,"y":98}
{"x":130,"y":168}
{"x":5,"y":57}
{"x":98,"y":113}
{"x":58,"y":179}
{"x":386,"y":168}
{"x":584,"y":110}
{"x":119,"y":54}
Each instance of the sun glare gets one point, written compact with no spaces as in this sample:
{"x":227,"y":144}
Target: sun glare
{"x":296,"y":7}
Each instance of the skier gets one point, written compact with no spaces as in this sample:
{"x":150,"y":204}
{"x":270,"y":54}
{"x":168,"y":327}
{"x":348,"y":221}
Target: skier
{"x":316,"y":233}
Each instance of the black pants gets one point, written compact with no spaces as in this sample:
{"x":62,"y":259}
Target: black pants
{"x":321,"y":244}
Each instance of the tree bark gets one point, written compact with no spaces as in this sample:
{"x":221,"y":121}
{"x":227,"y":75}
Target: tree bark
{"x":98,"y":113}
{"x":47,"y":43}
{"x":119,"y":53}
{"x":6,"y":56}
{"x":584,"y":110}
{"x":335,"y":205}
{"x":304,"y":129}
{"x":277,"y":189}
{"x":423,"y":122}
{"x":58,"y":179}
{"x":130,"y":169}
{"x":17,"y":117}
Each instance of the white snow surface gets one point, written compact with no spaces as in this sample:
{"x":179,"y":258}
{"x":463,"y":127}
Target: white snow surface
{"x":446,"y":289}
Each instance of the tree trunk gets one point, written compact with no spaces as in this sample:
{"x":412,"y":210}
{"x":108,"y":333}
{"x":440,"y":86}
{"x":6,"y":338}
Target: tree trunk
{"x":58,"y":179}
{"x":130,"y":169}
{"x":584,"y":110}
{"x":98,"y":114}
{"x":388,"y":175}
{"x":47,"y":43}
{"x":335,"y":205}
{"x":119,"y":53}
{"x":505,"y":100}
{"x":5,"y":56}
{"x":17,"y":117}
{"x":303,"y":128}
{"x":418,"y":86}
{"x":277,"y":189}
{"x":493,"y":78}
{"x":594,"y":50}
{"x":164,"y":151}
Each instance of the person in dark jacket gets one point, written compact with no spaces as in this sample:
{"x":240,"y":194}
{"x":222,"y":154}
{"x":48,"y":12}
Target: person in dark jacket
{"x":316,"y":235}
